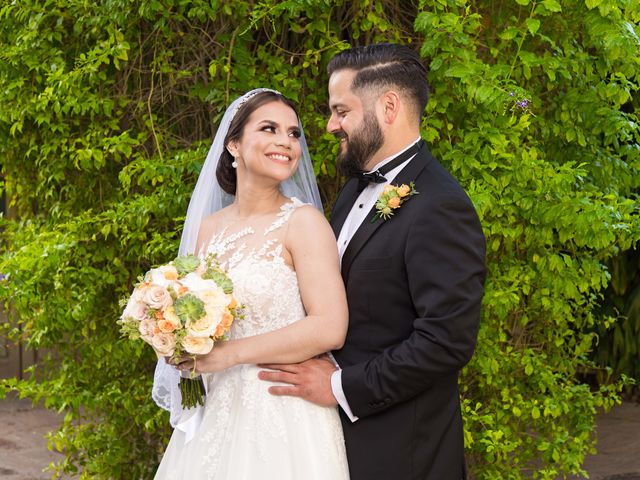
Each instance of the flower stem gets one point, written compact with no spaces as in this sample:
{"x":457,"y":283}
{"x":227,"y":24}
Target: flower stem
{"x":192,"y":390}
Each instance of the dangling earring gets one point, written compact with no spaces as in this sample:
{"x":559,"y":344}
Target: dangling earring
{"x":234,"y":164}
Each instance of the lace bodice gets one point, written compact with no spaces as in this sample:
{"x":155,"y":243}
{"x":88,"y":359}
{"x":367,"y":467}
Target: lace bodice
{"x":247,"y":433}
{"x":262,"y":281}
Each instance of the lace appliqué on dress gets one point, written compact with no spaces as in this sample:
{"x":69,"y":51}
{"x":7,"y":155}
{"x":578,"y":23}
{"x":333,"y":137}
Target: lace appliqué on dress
{"x":285,"y":213}
{"x":268,"y":290}
{"x":247,"y":432}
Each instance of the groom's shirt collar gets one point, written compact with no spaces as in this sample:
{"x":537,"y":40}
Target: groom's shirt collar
{"x":367,"y":199}
{"x":384,"y":161}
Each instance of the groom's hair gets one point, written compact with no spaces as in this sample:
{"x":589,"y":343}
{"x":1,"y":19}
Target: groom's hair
{"x":384,"y":65}
{"x":225,"y":173}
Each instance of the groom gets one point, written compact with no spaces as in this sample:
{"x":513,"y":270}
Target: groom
{"x":414,"y":280}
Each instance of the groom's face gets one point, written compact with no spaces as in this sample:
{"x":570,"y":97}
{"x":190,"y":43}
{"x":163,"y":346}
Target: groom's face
{"x":353,"y":122}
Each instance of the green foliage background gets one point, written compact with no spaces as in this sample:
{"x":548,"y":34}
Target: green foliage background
{"x":107,"y":109}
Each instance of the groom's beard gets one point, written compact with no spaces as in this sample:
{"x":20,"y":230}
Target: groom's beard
{"x":361,"y":145}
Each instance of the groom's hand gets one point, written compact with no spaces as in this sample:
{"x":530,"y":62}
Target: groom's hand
{"x":310,"y":380}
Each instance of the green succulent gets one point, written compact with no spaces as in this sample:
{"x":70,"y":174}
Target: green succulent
{"x":220,"y":278}
{"x":189,"y":308}
{"x":186,"y":264}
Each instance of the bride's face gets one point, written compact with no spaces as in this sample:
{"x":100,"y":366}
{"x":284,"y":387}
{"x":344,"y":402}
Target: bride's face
{"x":269,"y":146}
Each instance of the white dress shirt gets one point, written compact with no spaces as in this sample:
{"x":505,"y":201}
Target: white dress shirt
{"x":362,"y":206}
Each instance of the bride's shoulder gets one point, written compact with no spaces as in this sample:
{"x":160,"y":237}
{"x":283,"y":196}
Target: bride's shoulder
{"x":215,"y":217}
{"x":305,"y":213}
{"x":309,"y":233}
{"x":307,"y":224}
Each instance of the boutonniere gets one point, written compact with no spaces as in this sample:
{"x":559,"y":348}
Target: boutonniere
{"x":391,"y":198}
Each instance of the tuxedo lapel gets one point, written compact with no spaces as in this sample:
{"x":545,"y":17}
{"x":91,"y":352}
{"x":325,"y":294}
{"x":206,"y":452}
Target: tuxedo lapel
{"x":367,"y":227}
{"x":342,"y":207}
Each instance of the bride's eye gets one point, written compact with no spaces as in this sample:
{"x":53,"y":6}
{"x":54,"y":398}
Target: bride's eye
{"x":295,"y":133}
{"x":269,"y":128}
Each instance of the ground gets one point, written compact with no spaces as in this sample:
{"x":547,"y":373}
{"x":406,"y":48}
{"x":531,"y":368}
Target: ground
{"x":24,"y":454}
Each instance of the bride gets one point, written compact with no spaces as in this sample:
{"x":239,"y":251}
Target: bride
{"x":251,"y":208}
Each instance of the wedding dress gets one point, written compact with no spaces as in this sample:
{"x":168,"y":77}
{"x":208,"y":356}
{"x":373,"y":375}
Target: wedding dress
{"x":247,"y":433}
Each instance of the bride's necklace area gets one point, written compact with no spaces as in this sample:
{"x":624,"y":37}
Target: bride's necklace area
{"x":255,"y":218}
{"x":233,"y":217}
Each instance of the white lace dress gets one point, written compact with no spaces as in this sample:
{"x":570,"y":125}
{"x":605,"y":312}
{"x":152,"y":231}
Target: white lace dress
{"x":247,"y":433}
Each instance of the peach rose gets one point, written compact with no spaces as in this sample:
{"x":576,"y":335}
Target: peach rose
{"x":223,"y":326}
{"x":394,"y":202}
{"x":157,"y":297}
{"x":166,"y":327}
{"x":197,"y":345}
{"x":170,"y":321}
{"x":403,"y":190}
{"x":164,"y":344}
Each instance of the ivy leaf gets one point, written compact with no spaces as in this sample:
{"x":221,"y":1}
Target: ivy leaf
{"x":552,"y":5}
{"x":533,"y":24}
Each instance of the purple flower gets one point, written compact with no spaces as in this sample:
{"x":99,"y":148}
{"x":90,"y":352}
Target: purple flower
{"x":511,"y":94}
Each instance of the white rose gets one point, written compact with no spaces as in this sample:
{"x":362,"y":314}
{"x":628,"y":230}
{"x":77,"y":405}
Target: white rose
{"x":135,"y":309}
{"x":169,"y":272}
{"x":204,"y":327}
{"x":157,"y":297}
{"x":197,"y":284}
{"x":138,"y":292}
{"x":157,"y":276}
{"x":214,"y":298}
{"x":164,"y":344}
{"x":197,"y":345}
{"x":147,"y":329}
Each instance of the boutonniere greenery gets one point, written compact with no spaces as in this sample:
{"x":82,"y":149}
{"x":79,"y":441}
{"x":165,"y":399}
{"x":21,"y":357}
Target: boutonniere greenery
{"x":391,"y":198}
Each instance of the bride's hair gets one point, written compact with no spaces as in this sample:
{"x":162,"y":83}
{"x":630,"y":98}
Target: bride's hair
{"x":225,"y":173}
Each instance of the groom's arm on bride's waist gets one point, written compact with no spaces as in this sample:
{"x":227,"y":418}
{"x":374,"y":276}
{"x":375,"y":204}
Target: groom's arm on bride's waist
{"x":445,"y":265}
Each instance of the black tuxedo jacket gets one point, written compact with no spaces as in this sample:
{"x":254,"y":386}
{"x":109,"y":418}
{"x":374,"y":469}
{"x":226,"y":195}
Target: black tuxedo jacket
{"x":414,"y":287}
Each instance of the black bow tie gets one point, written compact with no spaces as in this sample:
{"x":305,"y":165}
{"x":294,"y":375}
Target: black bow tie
{"x":378,"y":176}
{"x":365,"y":179}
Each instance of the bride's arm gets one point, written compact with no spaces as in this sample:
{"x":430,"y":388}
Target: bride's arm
{"x":312,"y":246}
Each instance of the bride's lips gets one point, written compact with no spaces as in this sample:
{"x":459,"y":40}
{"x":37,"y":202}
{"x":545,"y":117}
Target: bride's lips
{"x":279,"y":157}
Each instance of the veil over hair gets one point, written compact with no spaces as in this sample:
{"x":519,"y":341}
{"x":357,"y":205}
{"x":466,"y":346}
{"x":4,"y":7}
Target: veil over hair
{"x":208,"y":197}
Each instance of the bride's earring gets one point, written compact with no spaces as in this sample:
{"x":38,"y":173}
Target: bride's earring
{"x":234,"y":164}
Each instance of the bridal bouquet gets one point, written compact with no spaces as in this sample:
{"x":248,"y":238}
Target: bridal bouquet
{"x":182,"y":308}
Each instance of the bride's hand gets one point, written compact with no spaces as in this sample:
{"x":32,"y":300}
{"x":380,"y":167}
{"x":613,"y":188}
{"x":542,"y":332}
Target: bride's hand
{"x":219,"y":358}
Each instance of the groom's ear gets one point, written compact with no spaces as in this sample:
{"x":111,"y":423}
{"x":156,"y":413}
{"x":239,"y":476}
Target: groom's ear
{"x":390,"y":101}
